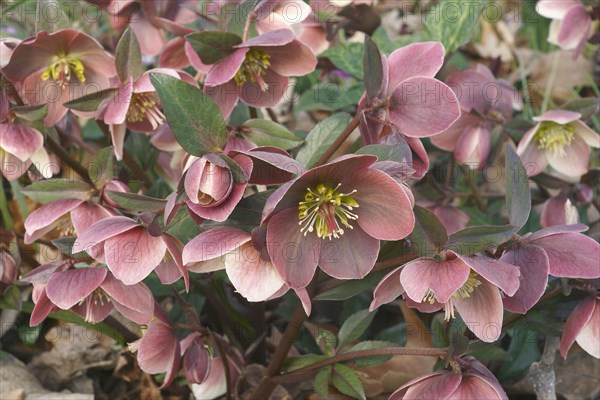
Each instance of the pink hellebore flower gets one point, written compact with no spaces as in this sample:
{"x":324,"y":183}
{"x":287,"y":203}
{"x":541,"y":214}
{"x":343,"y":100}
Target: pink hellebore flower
{"x":561,"y":140}
{"x":21,"y":146}
{"x":561,"y":251}
{"x":9,"y":270}
{"x":485,"y":102}
{"x":571,"y":23}
{"x":334,"y":216}
{"x":469,"y":380}
{"x":131,"y":250}
{"x":554,"y":211}
{"x":258,"y":69}
{"x":583,"y":327}
{"x":54,"y":68}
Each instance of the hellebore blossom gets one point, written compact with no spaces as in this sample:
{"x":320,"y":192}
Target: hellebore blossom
{"x":561,"y":140}
{"x":54,"y":68}
{"x":561,"y":251}
{"x":257,"y":70}
{"x":583,"y":327}
{"x":468,"y":380}
{"x":21,"y":146}
{"x":571,"y":23}
{"x":485,"y":102}
{"x":334,"y":216}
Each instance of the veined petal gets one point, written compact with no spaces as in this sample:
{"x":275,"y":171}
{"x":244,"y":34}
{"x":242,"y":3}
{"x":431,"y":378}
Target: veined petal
{"x":442,"y":278}
{"x":42,"y":218}
{"x":102,"y":230}
{"x":578,"y":319}
{"x":501,"y":274}
{"x":571,"y":255}
{"x":417,"y":59}
{"x":387,"y":290}
{"x":67,"y":288}
{"x":135,"y":302}
{"x":533,"y":266}
{"x":213,"y":244}
{"x":574,"y":162}
{"x":482,"y":311}
{"x":20,"y":140}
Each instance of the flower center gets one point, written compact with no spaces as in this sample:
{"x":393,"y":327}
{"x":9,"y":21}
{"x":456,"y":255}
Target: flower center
{"x":554,"y":137}
{"x":253,"y":68}
{"x":462,"y":293}
{"x":326,"y":211}
{"x":145,"y":106}
{"x":63,"y":68}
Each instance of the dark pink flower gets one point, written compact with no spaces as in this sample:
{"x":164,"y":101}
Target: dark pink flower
{"x":21,"y":146}
{"x":583,"y":327}
{"x":196,"y":358}
{"x":571,"y":23}
{"x":54,"y":68}
{"x":561,"y":140}
{"x":554,"y":211}
{"x":258,"y":69}
{"x":9,"y":270}
{"x":451,"y":217}
{"x":334,"y":216}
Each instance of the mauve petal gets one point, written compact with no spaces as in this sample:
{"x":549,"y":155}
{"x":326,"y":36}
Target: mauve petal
{"x":226,"y":96}
{"x":448,"y":139}
{"x":571,"y":255}
{"x":224,"y":71}
{"x":575,"y":162}
{"x":438,"y":387}
{"x":208,"y":178}
{"x":143,"y":83}
{"x":554,"y":9}
{"x":150,"y":38}
{"x":417,"y":59}
{"x":253,"y":95}
{"x":473,"y":146}
{"x":42,"y":273}
{"x":589,"y":336}
{"x":351,"y":256}
{"x":387,"y":290}
{"x":578,"y":319}
{"x":269,"y":167}
{"x":213,"y":244}
{"x":293,"y":59}
{"x":555,"y":230}
{"x":173,"y":54}
{"x":175,"y":249}
{"x":401,"y":391}
{"x":67,"y":288}
{"x":385,"y":212}
{"x":501,"y":274}
{"x":102,"y":230}
{"x":534,"y":159}
{"x":167,"y":271}
{"x":482,"y":311}
{"x":586,"y":133}
{"x":93,"y":309}
{"x":553,"y":212}
{"x":559,"y":116}
{"x":86,"y":214}
{"x":156,"y":348}
{"x":315,"y":37}
{"x":533,"y":266}
{"x":117,"y":137}
{"x":575,"y":28}
{"x":133,"y":255}
{"x":42,"y":308}
{"x":135,"y":302}
{"x":45,"y":216}
{"x":475,"y":90}
{"x":252,"y":277}
{"x":117,"y":106}
{"x":452,"y":218}
{"x":221,"y":211}
{"x":294,"y":255}
{"x":443,"y":278}
{"x":269,"y":39}
{"x":11,"y":167}
{"x":422,"y":107}
{"x":215,"y":384}
{"x":304,"y":300}
{"x":20,"y":140}
{"x":474,"y":387}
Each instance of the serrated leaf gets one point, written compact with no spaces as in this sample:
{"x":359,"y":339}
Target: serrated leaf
{"x":346,"y":380}
{"x":372,"y":68}
{"x":237,"y":16}
{"x":518,"y":195}
{"x":213,"y":46}
{"x":50,"y":16}
{"x":101,"y":169}
{"x":30,"y":113}
{"x":354,"y":327}
{"x":452,"y":23}
{"x":321,"y":137}
{"x":344,"y":56}
{"x":329,"y":97}
{"x":263,"y":132}
{"x":128,"y":57}
{"x":57,"y":189}
{"x":399,"y":152}
{"x":194,"y":118}
{"x":136,"y":202}
{"x":369,"y":345}
{"x":327,"y":341}
{"x":321,"y":382}
{"x":294,"y":363}
{"x":429,"y":234}
{"x":475,"y":239}
{"x":91,"y":101}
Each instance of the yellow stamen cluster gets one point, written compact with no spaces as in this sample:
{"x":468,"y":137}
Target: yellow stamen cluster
{"x":253,"y":68}
{"x":145,"y":105}
{"x":554,"y":137}
{"x":63,"y":68}
{"x":98,"y":296}
{"x":462,"y":293}
{"x":326,"y":211}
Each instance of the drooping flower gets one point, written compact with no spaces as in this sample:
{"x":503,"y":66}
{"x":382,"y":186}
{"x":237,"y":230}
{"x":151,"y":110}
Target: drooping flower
{"x":53,"y":68}
{"x":561,"y":140}
{"x":485,"y":102}
{"x":571,"y":23}
{"x":555,"y":211}
{"x":583,"y":327}
{"x":9,"y":270}
{"x":196,"y":358}
{"x":257,"y":70}
{"x":20,"y":147}
{"x":334,"y":216}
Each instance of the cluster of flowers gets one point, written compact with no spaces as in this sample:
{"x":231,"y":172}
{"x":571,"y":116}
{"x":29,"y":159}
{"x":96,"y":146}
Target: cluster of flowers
{"x":332,"y":216}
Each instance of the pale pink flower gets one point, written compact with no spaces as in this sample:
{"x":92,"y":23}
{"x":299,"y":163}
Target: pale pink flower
{"x":571,"y":23}
{"x":20,"y":147}
{"x":583,"y":327}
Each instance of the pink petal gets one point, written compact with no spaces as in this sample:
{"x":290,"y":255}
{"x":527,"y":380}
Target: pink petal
{"x":473,"y":146}
{"x":208,"y":178}
{"x":156,"y":348}
{"x":385,"y":213}
{"x":221,"y":211}
{"x":117,"y":107}
{"x":38,"y":222}
{"x":117,"y":137}
{"x":11,"y":167}
{"x":418,"y":59}
{"x":571,"y":255}
{"x":575,"y":162}
{"x":86,"y":214}
{"x":553,"y":212}
{"x":173,"y":55}
{"x":272,"y":38}
{"x":42,"y":308}
{"x":175,"y":248}
{"x":437,"y":387}
{"x":224,"y":71}
{"x":102,"y":230}
{"x":422,"y":107}
{"x":143,"y":84}
{"x":589,"y":336}
{"x":226,"y":96}
{"x":215,"y":384}
{"x":554,"y":9}
{"x":151,"y":39}
{"x":293,"y":59}
{"x":448,"y":139}
{"x":586,"y":133}
{"x":575,"y":28}
{"x":452,"y":218}
{"x":559,"y":116}
{"x":557,"y":229}
{"x":533,"y":265}
{"x":501,"y":274}
{"x":253,"y":95}
{"x":577,"y":321}
{"x":67,"y":288}
{"x":482,"y":311}
{"x":294,"y":255}
{"x":304,"y":299}
{"x":474,"y":387}
{"x":214,"y":243}
{"x":387,"y":290}
{"x":94,"y":309}
{"x":135,"y":302}
{"x":443,"y":278}
{"x":20,"y":140}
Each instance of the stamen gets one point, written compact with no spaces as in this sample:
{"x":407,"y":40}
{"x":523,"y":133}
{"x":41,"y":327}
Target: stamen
{"x":145,"y":106}
{"x":253,"y":68}
{"x":554,"y":137}
{"x":62,"y":68}
{"x":462,"y":293}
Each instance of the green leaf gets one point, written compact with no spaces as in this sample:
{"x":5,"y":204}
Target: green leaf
{"x":429,"y":234}
{"x":65,"y":245}
{"x":50,"y":16}
{"x":518,"y":196}
{"x":321,"y":382}
{"x":246,"y":215}
{"x":522,"y":351}
{"x":57,"y":189}
{"x":330,"y":97}
{"x":294,"y":363}
{"x":194,"y":118}
{"x":344,"y":56}
{"x":136,"y":202}
{"x":237,"y":172}
{"x":354,"y":327}
{"x":30,"y":113}
{"x":91,"y":101}
{"x":452,"y":22}
{"x":517,"y":127}
{"x":327,"y":342}
{"x":321,"y":137}
{"x":30,"y":334}
{"x":213,"y":46}
{"x":128,"y":57}
{"x":263,"y":132}
{"x":237,"y":16}
{"x":346,"y":380}
{"x":372,"y":68}
{"x":101,"y":169}
{"x":351,"y":288}
{"x":369,"y":345}
{"x":399,"y":152}
{"x":479,"y":238}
